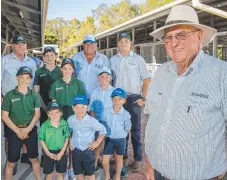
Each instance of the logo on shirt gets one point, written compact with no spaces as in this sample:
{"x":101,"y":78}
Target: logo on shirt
{"x":98,"y":66}
{"x":199,"y":95}
{"x":60,"y":88}
{"x":49,"y":134}
{"x":43,"y":75}
{"x":14,"y":100}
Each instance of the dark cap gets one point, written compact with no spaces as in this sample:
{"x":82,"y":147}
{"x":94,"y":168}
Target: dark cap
{"x":124,"y":35}
{"x":19,"y":39}
{"x":67,"y":61}
{"x":24,"y":70}
{"x":49,"y":49}
{"x":53,"y":105}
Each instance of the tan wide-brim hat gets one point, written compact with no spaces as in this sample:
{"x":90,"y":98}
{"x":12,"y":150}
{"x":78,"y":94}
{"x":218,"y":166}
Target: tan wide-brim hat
{"x":185,"y":15}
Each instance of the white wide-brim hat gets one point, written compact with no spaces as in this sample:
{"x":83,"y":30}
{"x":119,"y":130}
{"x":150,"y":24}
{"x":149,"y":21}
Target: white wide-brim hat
{"x":185,"y":15}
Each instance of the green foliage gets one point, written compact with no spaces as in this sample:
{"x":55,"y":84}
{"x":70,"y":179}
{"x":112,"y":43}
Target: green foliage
{"x":153,"y":4}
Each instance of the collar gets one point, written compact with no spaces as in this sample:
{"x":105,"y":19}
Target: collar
{"x":82,"y":120}
{"x":131,"y":53}
{"x":109,"y":87}
{"x":15,"y":57}
{"x":60,"y":125}
{"x":195,"y":66}
{"x":17,"y":92}
{"x":55,"y":69}
{"x":97,"y":55}
{"x":73,"y":79}
{"x":120,"y":112}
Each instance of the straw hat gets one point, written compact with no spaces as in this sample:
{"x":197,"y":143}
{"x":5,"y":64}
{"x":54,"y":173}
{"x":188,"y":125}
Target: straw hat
{"x":185,"y":15}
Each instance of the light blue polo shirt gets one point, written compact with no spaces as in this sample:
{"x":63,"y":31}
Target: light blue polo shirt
{"x":129,"y":72}
{"x":88,"y":73}
{"x":9,"y":67}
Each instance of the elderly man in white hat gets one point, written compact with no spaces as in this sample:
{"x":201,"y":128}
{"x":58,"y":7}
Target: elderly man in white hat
{"x":186,"y":133}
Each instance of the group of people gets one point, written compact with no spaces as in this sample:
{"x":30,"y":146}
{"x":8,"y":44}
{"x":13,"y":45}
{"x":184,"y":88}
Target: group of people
{"x":88,"y":105}
{"x":91,"y":104}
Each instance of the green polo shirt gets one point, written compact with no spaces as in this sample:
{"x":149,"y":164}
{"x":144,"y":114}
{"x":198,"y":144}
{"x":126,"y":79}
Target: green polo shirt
{"x":21,"y":107}
{"x":45,"y":78}
{"x":53,"y":137}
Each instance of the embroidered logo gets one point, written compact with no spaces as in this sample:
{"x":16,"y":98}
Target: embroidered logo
{"x":17,"y":99}
{"x":98,"y":66}
{"x":60,"y":88}
{"x":41,"y":75}
{"x":199,"y":95}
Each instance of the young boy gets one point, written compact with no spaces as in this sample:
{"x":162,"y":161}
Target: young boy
{"x":54,"y":137}
{"x":118,"y":120}
{"x":20,"y":112}
{"x":62,"y":91}
{"x":82,"y":140}
{"x":101,"y":100}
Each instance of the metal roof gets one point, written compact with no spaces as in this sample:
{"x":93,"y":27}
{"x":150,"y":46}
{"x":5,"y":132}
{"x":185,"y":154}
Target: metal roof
{"x":27,"y":17}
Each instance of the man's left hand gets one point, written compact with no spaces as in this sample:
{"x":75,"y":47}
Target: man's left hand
{"x":140,"y":102}
{"x":59,"y":156}
{"x":93,"y":145}
{"x":24,"y":132}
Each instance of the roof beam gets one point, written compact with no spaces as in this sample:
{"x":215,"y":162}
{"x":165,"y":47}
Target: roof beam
{"x":21,"y":7}
{"x":29,"y":29}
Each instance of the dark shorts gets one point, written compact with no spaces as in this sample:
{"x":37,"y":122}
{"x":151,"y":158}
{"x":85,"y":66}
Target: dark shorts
{"x":83,"y":162}
{"x":114,"y":145}
{"x":15,"y":144}
{"x":48,"y":164}
{"x":6,"y":131}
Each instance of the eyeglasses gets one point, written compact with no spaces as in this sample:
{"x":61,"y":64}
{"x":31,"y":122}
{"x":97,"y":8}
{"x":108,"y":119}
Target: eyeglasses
{"x":179,"y":36}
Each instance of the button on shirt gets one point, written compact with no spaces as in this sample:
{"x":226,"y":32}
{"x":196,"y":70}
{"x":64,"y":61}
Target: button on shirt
{"x":83,"y":131}
{"x":118,"y":123}
{"x":103,"y":96}
{"x":129,"y":72}
{"x":9,"y":67}
{"x":88,"y":73}
{"x":185,"y":136}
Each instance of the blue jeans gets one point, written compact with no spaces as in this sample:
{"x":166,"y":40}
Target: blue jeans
{"x":135,"y":111}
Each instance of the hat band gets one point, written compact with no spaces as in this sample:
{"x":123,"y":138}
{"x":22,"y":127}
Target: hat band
{"x":176,"y":22}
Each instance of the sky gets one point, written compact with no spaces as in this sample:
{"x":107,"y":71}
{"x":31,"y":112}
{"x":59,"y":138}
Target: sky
{"x":80,"y":9}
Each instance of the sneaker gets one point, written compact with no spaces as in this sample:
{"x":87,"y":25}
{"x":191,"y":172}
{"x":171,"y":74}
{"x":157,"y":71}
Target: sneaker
{"x":71,"y":174}
{"x":24,"y":159}
{"x":124,"y":172}
{"x":136,"y":166}
{"x":96,"y":169}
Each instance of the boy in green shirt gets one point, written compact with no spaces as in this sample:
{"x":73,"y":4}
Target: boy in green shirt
{"x":20,"y":112}
{"x":54,"y":137}
{"x":63,"y":90}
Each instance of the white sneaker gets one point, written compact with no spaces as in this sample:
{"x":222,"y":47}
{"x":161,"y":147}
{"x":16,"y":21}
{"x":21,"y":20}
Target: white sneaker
{"x":71,"y":175}
{"x":66,"y":175}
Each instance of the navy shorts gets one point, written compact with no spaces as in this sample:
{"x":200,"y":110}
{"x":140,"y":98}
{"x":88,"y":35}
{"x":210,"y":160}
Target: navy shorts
{"x":15,"y":144}
{"x":83,"y":162}
{"x":48,"y":163}
{"x":114,"y":145}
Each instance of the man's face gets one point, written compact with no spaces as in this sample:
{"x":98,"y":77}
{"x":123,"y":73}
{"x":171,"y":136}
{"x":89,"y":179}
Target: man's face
{"x":118,"y":101}
{"x":19,"y":48}
{"x":67,"y":70}
{"x":124,"y":45}
{"x":186,"y":46}
{"x":90,"y":48}
{"x":80,"y":110}
{"x":54,"y":115}
{"x":24,"y":80}
{"x":105,"y":79}
{"x":49,"y":57}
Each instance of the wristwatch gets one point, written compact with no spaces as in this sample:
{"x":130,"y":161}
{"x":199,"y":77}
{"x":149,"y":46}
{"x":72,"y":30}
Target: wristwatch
{"x":143,"y":98}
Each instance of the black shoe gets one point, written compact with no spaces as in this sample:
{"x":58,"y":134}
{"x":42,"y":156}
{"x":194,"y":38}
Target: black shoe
{"x":15,"y":169}
{"x":24,"y":159}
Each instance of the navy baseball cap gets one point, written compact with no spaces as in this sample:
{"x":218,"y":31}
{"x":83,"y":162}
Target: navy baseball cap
{"x":105,"y":70}
{"x":24,"y":70}
{"x":89,"y":38}
{"x":124,"y":35}
{"x":53,"y":105}
{"x":119,"y":92}
{"x":19,"y":39}
{"x":67,"y":61}
{"x":80,"y":99}
{"x":49,"y":49}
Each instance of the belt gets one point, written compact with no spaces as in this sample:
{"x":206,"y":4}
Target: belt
{"x":22,"y":125}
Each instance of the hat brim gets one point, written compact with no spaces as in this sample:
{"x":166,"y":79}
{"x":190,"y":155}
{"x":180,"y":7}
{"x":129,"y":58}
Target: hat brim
{"x":118,"y":95}
{"x":68,"y":63}
{"x":208,"y":32}
{"x":53,"y":109}
{"x":15,"y":42}
{"x":90,"y":41}
{"x":49,"y":51}
{"x":105,"y":72}
{"x":25,"y":73}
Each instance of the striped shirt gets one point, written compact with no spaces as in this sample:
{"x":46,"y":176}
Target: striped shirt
{"x":185,"y":137}
{"x":9,"y":67}
{"x":129,"y":72}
